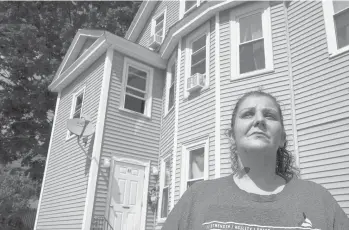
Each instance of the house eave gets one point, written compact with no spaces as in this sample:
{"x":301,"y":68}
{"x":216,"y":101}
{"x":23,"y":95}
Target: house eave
{"x":98,"y":48}
{"x":192,"y":21}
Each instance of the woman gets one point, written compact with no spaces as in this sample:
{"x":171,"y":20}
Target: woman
{"x":263,"y":193}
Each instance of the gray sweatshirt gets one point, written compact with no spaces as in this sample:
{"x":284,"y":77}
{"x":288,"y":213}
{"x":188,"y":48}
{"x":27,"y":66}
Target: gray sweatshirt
{"x":221,"y":204}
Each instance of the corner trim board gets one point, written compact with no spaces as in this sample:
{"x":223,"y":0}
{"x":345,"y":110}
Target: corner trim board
{"x":179,"y":56}
{"x":97,"y":144}
{"x":47,"y":160}
{"x":218,"y":101}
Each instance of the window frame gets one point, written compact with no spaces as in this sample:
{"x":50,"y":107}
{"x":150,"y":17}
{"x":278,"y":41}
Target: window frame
{"x":203,"y":30}
{"x":169,"y":76}
{"x":153,"y":23}
{"x":202,"y":142}
{"x":330,"y":28}
{"x":149,"y":86}
{"x":182,"y":7}
{"x":161,"y":187}
{"x":235,"y":15}
{"x":76,"y":94}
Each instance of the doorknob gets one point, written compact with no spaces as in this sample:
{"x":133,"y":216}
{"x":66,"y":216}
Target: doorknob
{"x":124,"y":206}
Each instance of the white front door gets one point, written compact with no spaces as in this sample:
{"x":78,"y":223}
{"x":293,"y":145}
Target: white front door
{"x":126,"y":196}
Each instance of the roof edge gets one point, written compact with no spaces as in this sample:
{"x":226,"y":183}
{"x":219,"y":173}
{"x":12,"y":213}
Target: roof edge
{"x":137,"y":25}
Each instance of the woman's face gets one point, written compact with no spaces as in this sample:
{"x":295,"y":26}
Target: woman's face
{"x":258,"y":125}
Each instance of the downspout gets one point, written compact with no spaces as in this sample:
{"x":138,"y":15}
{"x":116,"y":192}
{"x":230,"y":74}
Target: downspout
{"x":293,"y":109}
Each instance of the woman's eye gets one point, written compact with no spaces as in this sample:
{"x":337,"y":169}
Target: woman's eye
{"x":270,"y":115}
{"x":247,"y":115}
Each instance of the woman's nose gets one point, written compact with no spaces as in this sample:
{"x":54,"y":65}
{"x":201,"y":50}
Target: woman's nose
{"x":259,"y":120}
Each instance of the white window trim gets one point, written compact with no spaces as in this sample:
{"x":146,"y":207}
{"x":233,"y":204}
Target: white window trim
{"x":331,"y":30}
{"x":182,"y":11}
{"x":72,"y":109}
{"x":205,"y":29}
{"x":237,"y":13}
{"x":153,"y":23}
{"x":186,"y":148}
{"x":149,"y":86}
{"x":161,"y":186}
{"x":168,"y":84}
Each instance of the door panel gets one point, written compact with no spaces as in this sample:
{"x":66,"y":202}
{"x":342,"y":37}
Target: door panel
{"x":126,"y":196}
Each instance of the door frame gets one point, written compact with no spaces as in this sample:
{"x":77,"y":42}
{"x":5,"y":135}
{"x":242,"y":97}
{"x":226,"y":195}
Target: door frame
{"x":139,"y":162}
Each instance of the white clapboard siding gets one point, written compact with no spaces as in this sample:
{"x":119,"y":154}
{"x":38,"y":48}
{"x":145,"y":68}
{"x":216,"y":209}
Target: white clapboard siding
{"x":196,"y":114}
{"x":321,"y":101}
{"x":276,"y":83}
{"x":64,"y":193}
{"x":128,"y":135}
{"x":172,"y":16}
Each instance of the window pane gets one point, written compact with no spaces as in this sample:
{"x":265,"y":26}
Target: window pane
{"x":77,"y":113}
{"x":189,"y":4}
{"x":199,"y":56}
{"x":340,"y":5}
{"x":196,"y":163}
{"x":171,"y":97}
{"x":252,"y":56}
{"x":135,"y":71}
{"x":251,"y":28}
{"x":79,"y":100}
{"x":342,"y":28}
{"x":200,"y":68}
{"x":134,"y":104}
{"x":201,"y":42}
{"x":136,"y":82}
{"x":160,"y":19}
{"x":167,"y":173}
{"x":158,"y":28}
{"x":173,"y":73}
{"x":134,"y":92}
{"x":164,"y":205}
{"x":190,"y":183}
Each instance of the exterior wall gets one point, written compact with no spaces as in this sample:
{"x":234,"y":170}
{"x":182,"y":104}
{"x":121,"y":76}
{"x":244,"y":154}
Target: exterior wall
{"x":128,"y":135}
{"x":277,"y":82}
{"x":172,"y":16}
{"x":64,"y":192}
{"x":322,"y":102}
{"x":196,"y":115}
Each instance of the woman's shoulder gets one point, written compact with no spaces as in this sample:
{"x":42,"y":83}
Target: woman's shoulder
{"x":310,"y":187}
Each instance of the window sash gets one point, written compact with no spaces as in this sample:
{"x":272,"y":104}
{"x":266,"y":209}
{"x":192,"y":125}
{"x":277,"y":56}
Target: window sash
{"x":132,"y":93}
{"x":199,"y":50}
{"x":253,"y":64}
{"x":164,"y":202}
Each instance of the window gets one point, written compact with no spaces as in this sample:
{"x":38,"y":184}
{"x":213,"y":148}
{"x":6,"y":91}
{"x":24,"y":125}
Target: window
{"x":194,"y":163}
{"x":77,"y":106}
{"x":336,"y":15}
{"x":170,"y":84}
{"x":158,"y":25}
{"x":165,"y":182}
{"x":197,"y":56}
{"x":188,"y":5}
{"x":251,"y":45}
{"x":137,"y":87}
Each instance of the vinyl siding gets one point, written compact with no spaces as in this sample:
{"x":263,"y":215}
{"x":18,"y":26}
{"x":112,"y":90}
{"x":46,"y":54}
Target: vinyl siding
{"x":167,"y":138}
{"x":172,"y":16}
{"x":196,"y":115}
{"x":64,"y":193}
{"x":321,"y":100}
{"x":277,"y":83}
{"x":129,"y":135}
